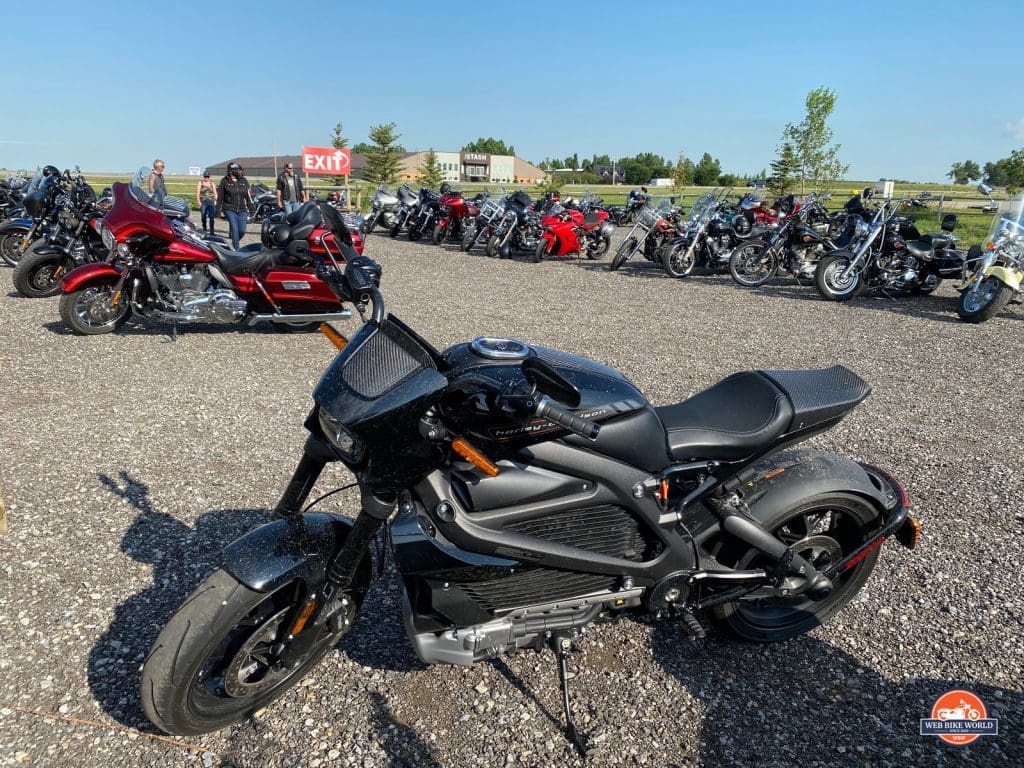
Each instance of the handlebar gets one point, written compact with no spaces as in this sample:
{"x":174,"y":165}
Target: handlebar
{"x":546,"y":408}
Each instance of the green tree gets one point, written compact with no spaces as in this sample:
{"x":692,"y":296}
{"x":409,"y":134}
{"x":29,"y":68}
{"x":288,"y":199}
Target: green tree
{"x":728,"y":180}
{"x":384,"y":159}
{"x":965,"y":172}
{"x":819,"y":165}
{"x":1008,"y":172}
{"x":683,"y":174}
{"x":338,"y":141}
{"x":430,"y":172}
{"x":362,"y":148}
{"x":784,"y":170}
{"x":972,"y":171}
{"x":707,"y":171}
{"x":490,"y":146}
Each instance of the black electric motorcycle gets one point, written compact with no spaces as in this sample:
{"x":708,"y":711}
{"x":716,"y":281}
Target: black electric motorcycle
{"x":74,"y":239}
{"x":527,"y":493}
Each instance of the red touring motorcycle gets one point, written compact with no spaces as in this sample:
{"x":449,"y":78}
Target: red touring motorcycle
{"x":159,"y":268}
{"x":456,"y":212}
{"x":568,"y":232}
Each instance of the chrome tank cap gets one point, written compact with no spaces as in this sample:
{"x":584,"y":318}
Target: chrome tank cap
{"x":499,"y":349}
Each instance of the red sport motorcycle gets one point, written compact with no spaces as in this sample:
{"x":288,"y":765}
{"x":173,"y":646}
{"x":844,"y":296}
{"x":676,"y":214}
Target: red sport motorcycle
{"x":567,"y":232}
{"x":455,"y":215}
{"x":160,"y":268}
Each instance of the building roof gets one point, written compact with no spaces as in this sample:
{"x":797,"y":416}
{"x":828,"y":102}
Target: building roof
{"x":524,"y":170}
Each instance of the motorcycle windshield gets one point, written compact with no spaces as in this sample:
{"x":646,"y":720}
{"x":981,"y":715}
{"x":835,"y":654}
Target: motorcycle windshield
{"x":130,"y":215}
{"x":34,"y":184}
{"x":1008,"y":223}
{"x":700,"y":208}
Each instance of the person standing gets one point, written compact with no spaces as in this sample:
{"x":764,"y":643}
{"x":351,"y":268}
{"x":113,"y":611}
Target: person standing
{"x":235,"y":200}
{"x":206,"y":199}
{"x":290,"y":194}
{"x":157,"y":187}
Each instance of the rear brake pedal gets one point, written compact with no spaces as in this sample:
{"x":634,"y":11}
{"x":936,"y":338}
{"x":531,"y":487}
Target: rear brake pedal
{"x":692,"y":625}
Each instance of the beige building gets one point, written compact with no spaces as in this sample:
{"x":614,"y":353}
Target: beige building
{"x":474,"y":166}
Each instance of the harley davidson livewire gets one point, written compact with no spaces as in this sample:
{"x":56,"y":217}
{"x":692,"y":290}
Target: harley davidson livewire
{"x":528,"y":493}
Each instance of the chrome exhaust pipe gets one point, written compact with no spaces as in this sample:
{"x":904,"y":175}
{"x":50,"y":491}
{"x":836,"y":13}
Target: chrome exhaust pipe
{"x":322,"y":317}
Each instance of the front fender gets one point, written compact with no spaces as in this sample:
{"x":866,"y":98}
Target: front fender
{"x":1008,"y":277}
{"x":16,"y":225}
{"x":46,"y":250}
{"x":785,"y":479}
{"x":97,"y":273}
{"x":288,"y":549}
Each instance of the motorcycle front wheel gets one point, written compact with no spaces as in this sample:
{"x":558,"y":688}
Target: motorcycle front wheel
{"x":541,"y":252}
{"x":395,"y":229}
{"x":602,"y":248}
{"x":753,"y":264}
{"x":678,"y":260}
{"x":491,"y":248}
{"x":985,"y":302}
{"x":469,"y":237}
{"x":87,"y":311}
{"x":216,"y":662}
{"x":10,"y":247}
{"x":823,"y":530}
{"x":623,"y":252}
{"x":830,"y":283}
{"x":37,"y":276}
{"x":437,"y":236}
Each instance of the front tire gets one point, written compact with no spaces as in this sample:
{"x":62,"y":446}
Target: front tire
{"x":753,"y":264}
{"x":395,"y":229}
{"x":214,"y":664}
{"x":37,"y":276}
{"x":87,"y":311}
{"x":469,"y":237}
{"x":823,"y":530}
{"x":830,"y":284}
{"x":986,"y":302}
{"x":622,"y":253}
{"x":541,"y":251}
{"x":491,"y":248}
{"x":10,"y":247}
{"x":678,"y":260}
{"x":437,"y":236}
{"x":603,"y":246}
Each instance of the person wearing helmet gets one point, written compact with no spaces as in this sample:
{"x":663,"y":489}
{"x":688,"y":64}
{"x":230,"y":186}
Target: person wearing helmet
{"x":290,"y":194}
{"x":235,"y":200}
{"x":50,"y":170}
{"x":446,"y":189}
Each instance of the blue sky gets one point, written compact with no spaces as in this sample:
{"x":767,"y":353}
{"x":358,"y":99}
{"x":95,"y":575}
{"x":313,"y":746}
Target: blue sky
{"x":111,"y":85}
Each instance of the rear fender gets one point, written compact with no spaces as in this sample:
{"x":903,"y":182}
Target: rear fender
{"x":288,"y":549}
{"x":785,"y":479}
{"x":97,"y":273}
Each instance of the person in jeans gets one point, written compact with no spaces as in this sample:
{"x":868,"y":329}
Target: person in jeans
{"x":235,"y":200}
{"x":290,"y":194}
{"x":157,"y":186}
{"x":206,"y":199}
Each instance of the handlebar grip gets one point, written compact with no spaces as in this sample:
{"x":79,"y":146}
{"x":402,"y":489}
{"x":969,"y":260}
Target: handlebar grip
{"x":556,"y":414}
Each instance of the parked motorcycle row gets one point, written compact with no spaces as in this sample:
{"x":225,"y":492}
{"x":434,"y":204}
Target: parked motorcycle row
{"x":845,"y":253}
{"x":128,"y":252}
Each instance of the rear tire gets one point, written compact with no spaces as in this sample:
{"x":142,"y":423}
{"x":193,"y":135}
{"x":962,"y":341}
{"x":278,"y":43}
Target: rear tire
{"x":37,"y":276}
{"x":844,"y":522}
{"x":827,"y":279}
{"x":988,"y":301}
{"x":213,"y":663}
{"x":622,"y":253}
{"x":87,"y":311}
{"x":753,"y":264}
{"x":299,"y":327}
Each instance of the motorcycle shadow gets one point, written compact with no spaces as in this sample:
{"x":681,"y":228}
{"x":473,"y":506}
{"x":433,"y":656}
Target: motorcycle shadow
{"x":806,"y":702}
{"x":148,"y":327}
{"x":181,"y":557}
{"x":931,"y":307}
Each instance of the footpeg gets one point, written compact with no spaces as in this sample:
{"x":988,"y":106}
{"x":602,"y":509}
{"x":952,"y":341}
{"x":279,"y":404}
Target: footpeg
{"x":692,"y":625}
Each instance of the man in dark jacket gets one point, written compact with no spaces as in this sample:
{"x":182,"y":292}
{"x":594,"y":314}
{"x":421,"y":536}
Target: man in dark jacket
{"x":290,"y":194}
{"x":235,"y":200}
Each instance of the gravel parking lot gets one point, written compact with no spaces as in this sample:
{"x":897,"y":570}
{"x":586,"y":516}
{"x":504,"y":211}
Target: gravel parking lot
{"x":130,"y":460}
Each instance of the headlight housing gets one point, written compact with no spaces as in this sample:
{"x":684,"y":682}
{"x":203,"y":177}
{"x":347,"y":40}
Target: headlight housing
{"x":108,"y":238}
{"x":340,"y":439}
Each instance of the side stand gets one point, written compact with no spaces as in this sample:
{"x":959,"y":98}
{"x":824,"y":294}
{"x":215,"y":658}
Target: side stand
{"x":563,"y":649}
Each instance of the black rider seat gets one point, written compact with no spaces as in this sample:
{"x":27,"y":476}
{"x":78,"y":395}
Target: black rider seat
{"x":938,"y":240}
{"x":251,"y":258}
{"x":920,"y":248}
{"x":746,"y":413}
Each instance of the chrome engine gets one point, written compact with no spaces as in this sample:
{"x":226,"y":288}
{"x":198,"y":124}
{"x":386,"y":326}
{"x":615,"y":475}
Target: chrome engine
{"x":897,"y":269}
{"x":189,"y":293}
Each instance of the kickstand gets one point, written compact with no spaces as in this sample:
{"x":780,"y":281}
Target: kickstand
{"x":563,"y":649}
{"x":174,"y":330}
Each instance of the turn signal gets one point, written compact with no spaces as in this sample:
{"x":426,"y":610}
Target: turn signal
{"x":474,"y":457}
{"x":300,"y":622}
{"x":909,"y":534}
{"x":333,"y":336}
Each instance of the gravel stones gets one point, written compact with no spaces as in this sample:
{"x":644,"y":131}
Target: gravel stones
{"x":129,"y":461}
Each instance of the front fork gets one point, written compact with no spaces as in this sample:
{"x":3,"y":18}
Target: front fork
{"x":327,"y":598}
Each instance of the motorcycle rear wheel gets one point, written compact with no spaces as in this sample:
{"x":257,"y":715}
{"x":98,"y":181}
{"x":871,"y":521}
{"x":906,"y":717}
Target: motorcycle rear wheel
{"x":988,"y":301}
{"x":87,"y":311}
{"x":823,"y":530}
{"x":214,"y":663}
{"x":752,"y":265}
{"x":37,"y":276}
{"x":622,"y":253}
